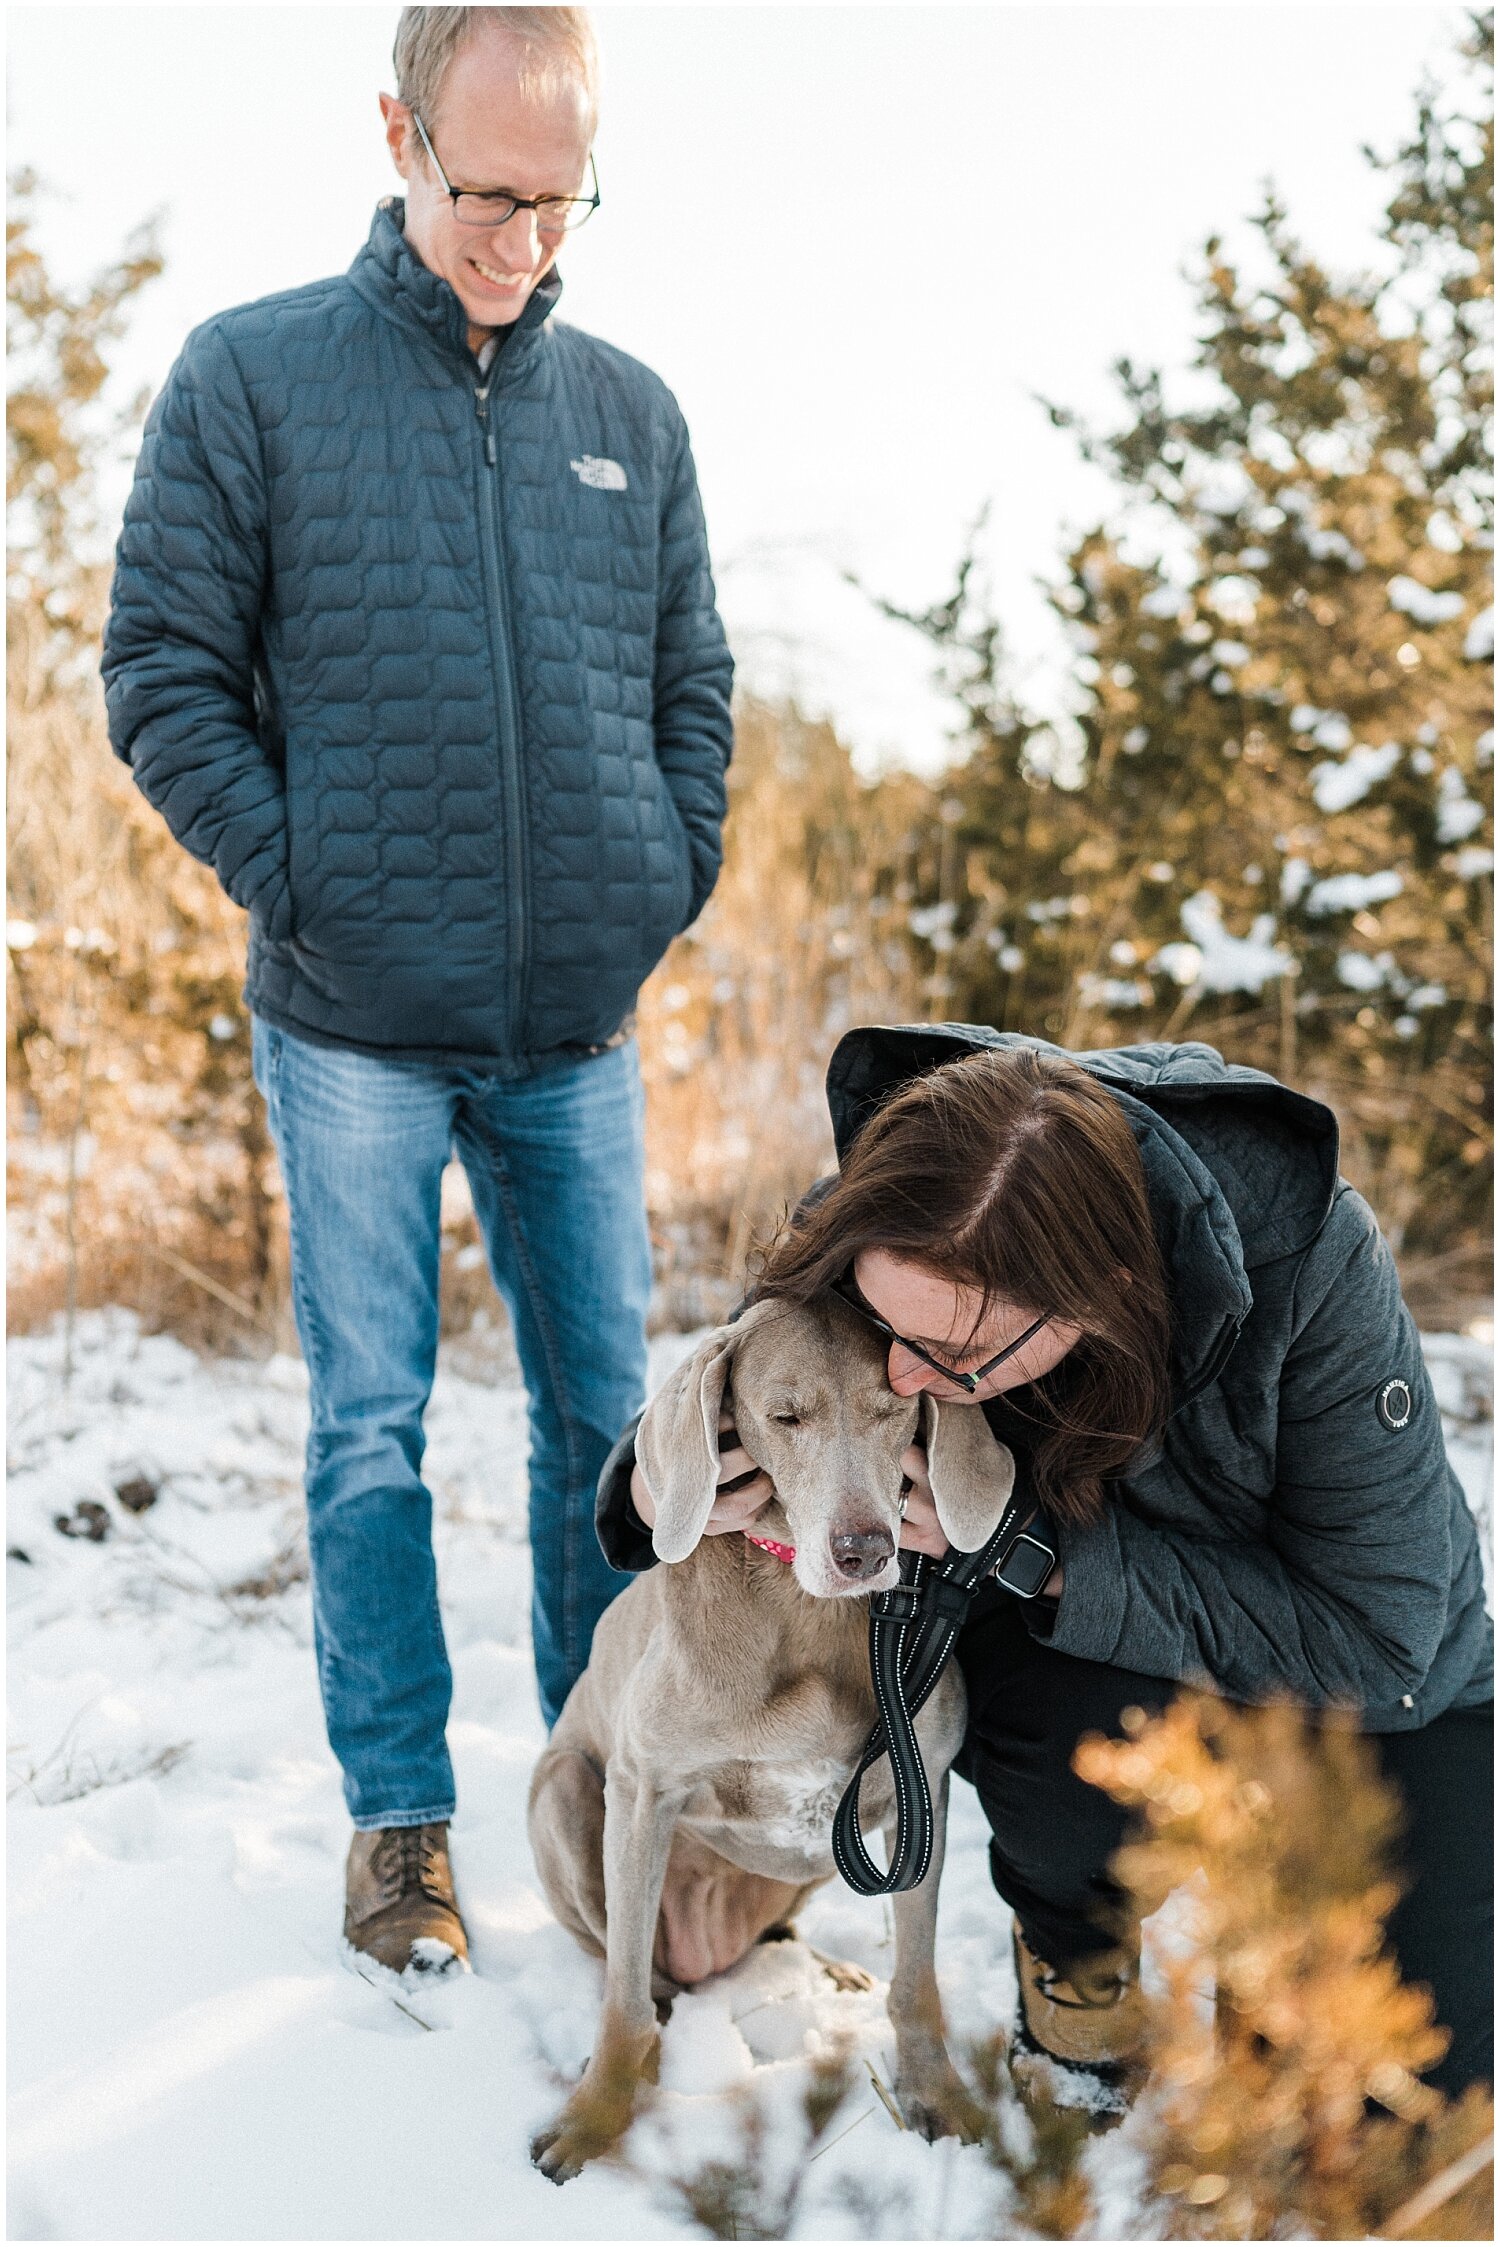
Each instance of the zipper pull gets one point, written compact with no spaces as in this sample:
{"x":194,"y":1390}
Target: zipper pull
{"x":482,"y":409}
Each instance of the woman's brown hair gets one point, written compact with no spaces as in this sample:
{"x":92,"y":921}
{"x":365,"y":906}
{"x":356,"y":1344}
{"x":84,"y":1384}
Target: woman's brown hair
{"x":1014,"y":1174}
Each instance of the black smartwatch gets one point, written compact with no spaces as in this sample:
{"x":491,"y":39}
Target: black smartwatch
{"x":1028,"y":1560}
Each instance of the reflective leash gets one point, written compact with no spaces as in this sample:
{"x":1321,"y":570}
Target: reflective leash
{"x":913,"y":1630}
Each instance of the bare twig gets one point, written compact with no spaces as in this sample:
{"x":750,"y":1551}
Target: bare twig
{"x":885,"y":2098}
{"x":210,"y":1286}
{"x":28,"y":1779}
{"x":843,"y":2134}
{"x":1287,"y":996}
{"x":81,"y":1775}
{"x":395,"y":2000}
{"x":1177,"y":1020}
{"x":1439,"y":2189}
{"x":91,"y":1776}
{"x":70,"y":1225}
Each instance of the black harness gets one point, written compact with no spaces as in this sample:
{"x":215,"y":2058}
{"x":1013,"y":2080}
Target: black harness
{"x":913,"y":1629}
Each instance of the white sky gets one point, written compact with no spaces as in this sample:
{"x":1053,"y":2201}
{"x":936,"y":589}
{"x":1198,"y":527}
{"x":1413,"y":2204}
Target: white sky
{"x":854,"y":240}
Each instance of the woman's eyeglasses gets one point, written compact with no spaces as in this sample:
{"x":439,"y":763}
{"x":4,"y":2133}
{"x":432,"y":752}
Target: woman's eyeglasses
{"x":847,"y":1292}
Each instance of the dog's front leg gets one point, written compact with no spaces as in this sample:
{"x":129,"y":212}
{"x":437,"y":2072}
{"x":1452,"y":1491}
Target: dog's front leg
{"x":638,"y":1823}
{"x":929,"y":2089}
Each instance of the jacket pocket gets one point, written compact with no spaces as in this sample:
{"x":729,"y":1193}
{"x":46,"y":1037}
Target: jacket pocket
{"x":333,"y":882}
{"x":683,"y":861}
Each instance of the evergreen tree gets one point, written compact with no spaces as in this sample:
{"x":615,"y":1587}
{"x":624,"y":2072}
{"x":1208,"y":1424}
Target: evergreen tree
{"x":1271,"y":829}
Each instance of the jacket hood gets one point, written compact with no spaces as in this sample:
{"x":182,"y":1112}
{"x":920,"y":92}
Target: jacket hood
{"x":389,"y":274}
{"x":1239,"y":1169}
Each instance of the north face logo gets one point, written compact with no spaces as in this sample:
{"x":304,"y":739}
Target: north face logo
{"x":599,"y":475}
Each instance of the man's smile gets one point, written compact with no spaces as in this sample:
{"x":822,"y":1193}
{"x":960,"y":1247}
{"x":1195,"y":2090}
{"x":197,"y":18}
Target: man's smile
{"x":497,"y":280}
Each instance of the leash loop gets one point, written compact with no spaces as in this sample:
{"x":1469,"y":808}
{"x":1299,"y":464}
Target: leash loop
{"x":913,"y":1630}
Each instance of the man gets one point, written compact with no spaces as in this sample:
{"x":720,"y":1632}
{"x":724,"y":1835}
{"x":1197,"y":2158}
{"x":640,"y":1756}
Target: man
{"x":413,"y":641}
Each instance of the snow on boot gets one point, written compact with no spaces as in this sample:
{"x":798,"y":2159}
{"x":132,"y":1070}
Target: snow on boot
{"x":1079,"y":2034}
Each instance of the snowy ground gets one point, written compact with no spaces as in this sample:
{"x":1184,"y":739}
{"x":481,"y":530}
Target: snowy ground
{"x":190,"y":2058}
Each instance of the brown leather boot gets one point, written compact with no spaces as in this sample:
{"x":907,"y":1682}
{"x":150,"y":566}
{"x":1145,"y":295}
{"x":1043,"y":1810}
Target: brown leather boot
{"x":1090,"y":2021}
{"x":399,"y":1905}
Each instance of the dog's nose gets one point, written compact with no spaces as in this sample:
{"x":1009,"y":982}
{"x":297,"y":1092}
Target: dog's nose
{"x":861,"y":1553}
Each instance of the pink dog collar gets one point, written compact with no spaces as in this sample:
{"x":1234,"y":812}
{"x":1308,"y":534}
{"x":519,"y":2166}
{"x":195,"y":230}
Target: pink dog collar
{"x":787,"y":1553}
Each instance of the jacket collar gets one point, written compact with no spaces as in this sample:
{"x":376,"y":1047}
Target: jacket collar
{"x":389,"y":274}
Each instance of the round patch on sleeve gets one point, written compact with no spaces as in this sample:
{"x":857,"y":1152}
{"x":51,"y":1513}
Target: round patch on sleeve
{"x":1394,"y":1405}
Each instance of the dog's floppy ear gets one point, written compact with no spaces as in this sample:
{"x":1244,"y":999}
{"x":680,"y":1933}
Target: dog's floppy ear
{"x":971,"y":1472}
{"x":677,"y":1442}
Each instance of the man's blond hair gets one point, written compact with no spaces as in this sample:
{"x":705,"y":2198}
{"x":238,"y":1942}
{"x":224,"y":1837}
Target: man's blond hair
{"x":550,"y":43}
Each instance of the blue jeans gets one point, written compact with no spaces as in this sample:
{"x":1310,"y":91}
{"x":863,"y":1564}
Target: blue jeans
{"x":555,"y":1168}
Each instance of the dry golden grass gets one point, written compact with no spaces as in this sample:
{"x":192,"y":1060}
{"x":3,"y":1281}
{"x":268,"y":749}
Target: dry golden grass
{"x":140,"y":1170}
{"x":804,"y":937}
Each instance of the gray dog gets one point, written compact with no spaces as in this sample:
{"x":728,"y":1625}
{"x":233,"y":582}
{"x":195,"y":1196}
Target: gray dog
{"x":696,"y":1767}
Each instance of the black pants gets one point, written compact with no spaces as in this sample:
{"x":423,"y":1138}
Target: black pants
{"x":1054,"y":1836}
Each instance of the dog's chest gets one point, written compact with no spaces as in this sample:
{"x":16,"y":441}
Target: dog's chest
{"x":791,"y":1806}
{"x":775,"y":1818}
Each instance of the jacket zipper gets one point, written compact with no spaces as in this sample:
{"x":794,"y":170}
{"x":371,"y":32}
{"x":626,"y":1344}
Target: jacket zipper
{"x":512,"y":776}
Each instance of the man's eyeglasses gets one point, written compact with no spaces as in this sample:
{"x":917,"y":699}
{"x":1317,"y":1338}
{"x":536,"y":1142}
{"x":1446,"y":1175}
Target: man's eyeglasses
{"x":847,"y":1292}
{"x":555,"y":214}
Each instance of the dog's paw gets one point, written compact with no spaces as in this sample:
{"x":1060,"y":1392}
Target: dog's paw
{"x":600,"y":2111}
{"x":940,"y":2105}
{"x":582,"y":2133}
{"x":560,"y":2152}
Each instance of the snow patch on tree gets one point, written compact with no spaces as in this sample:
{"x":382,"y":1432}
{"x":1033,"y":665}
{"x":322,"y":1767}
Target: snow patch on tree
{"x":1330,"y":729}
{"x":1336,"y":787}
{"x":1479,"y":640}
{"x":1457,"y":813}
{"x":1113,"y":991}
{"x":1421,"y":603}
{"x":1353,"y":893}
{"x":1362,"y":973}
{"x":1214,"y":960}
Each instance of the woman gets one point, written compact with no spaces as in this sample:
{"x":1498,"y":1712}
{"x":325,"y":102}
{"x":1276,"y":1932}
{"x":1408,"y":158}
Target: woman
{"x":1142,"y":1266}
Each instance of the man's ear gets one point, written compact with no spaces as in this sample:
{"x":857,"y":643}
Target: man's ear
{"x":400,"y":137}
{"x":677,"y":1442}
{"x":971,"y":1472}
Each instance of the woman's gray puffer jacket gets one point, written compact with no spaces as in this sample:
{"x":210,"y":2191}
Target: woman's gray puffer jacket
{"x":1298,"y":1528}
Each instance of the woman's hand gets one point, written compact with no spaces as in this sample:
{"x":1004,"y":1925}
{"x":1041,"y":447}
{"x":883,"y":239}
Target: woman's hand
{"x":920,"y":1529}
{"x":734,"y":1510}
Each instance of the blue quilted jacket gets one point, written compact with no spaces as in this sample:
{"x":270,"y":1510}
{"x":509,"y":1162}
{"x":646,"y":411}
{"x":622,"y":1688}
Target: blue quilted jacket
{"x":424,"y":662}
